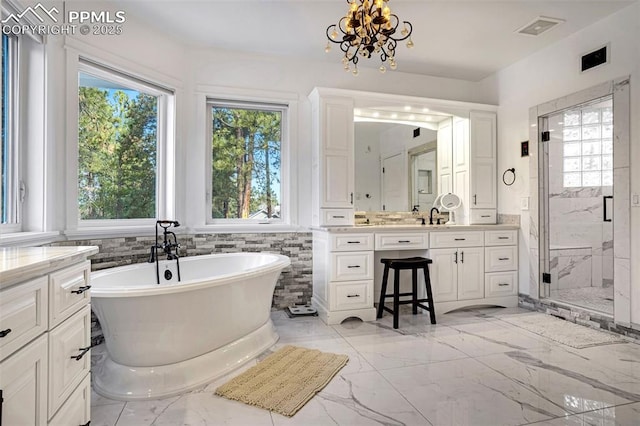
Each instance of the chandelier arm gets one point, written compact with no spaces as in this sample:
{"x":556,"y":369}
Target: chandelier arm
{"x":407,"y":23}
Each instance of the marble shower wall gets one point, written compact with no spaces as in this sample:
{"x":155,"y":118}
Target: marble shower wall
{"x":294,"y":286}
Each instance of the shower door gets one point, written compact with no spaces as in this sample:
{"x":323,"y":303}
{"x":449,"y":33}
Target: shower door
{"x":576,"y":146}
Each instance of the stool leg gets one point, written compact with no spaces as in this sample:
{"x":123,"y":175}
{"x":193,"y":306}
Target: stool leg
{"x":396,"y":297}
{"x":414,"y":289}
{"x":427,"y":282}
{"x":383,"y":291}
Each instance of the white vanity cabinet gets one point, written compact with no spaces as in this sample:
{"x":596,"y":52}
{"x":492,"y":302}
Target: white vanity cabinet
{"x":501,"y":263}
{"x":45,"y":324}
{"x":457,"y":271}
{"x":472,"y":268}
{"x":332,"y":159}
{"x":474,"y":166}
{"x":343,"y":276}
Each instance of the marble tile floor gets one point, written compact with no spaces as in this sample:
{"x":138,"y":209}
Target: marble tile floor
{"x":595,"y":298}
{"x":472,"y":368}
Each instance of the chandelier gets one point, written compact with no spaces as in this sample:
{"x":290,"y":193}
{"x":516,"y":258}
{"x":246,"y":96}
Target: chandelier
{"x":369,"y":28}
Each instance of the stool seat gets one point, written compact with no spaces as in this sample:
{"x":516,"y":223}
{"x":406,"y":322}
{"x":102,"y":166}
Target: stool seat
{"x":407,"y":263}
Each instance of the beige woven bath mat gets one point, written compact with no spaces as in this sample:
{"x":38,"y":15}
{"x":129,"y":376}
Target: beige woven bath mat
{"x":285,"y":380}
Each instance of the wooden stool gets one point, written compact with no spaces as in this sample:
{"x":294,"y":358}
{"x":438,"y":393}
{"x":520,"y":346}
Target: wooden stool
{"x":413,"y":263}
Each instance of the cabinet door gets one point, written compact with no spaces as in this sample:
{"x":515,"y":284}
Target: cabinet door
{"x":482,"y":144}
{"x":23,"y":380}
{"x":444,"y":274}
{"x":337,"y":179}
{"x":470,"y":273}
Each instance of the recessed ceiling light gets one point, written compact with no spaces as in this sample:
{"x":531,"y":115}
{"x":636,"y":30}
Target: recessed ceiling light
{"x":356,"y":111}
{"x":425,"y":109}
{"x":394,"y":115}
{"x":539,"y":25}
{"x":407,"y":108}
{"x":376,"y":114}
{"x":412,"y":117}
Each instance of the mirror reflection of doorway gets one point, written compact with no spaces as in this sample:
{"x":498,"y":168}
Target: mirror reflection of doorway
{"x":394,"y":198}
{"x":577,"y":153}
{"x":422,"y":176}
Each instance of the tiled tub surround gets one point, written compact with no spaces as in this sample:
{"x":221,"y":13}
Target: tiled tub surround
{"x":294,"y":286}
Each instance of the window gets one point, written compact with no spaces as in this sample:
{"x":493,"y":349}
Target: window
{"x":246,"y":142}
{"x":122,"y":125}
{"x":588,"y":146}
{"x":9,"y":192}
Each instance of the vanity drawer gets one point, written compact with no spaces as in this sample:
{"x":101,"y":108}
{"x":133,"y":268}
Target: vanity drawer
{"x":483,"y":216}
{"x":351,"y":242}
{"x":23,"y":314}
{"x":498,"y":284}
{"x":69,"y":339}
{"x":351,"y":295}
{"x":402,"y":240}
{"x":77,"y":409}
{"x":456,"y":239}
{"x":498,"y":258}
{"x":336,"y":217}
{"x":352,"y":266}
{"x":68,"y":291}
{"x":500,"y":238}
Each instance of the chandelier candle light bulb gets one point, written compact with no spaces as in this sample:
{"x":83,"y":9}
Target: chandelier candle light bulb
{"x":369,"y":28}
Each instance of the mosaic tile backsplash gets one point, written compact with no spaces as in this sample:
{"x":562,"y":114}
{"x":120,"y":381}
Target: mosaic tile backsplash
{"x":294,"y":286}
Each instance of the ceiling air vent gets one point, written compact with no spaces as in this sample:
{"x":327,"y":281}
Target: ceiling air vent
{"x":595,"y":58}
{"x":539,"y":25}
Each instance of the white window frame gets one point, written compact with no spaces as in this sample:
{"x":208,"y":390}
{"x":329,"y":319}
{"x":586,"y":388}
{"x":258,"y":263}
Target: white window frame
{"x":165,"y":158}
{"x":285,"y":107}
{"x":15,"y":190}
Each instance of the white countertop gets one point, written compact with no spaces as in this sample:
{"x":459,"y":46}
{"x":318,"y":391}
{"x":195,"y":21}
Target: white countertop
{"x":426,"y":228}
{"x":22,"y":263}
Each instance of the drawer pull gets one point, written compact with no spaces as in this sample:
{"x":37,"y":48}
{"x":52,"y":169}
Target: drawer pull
{"x":84,"y":351}
{"x":503,"y":258}
{"x":353,"y":242}
{"x":87,"y":423}
{"x":353,"y":266}
{"x":459,"y":239}
{"x":485,"y":215}
{"x":503,"y":238}
{"x":81,"y":290}
{"x":503,"y":284}
{"x":338,"y":217}
{"x":353,"y":295}
{"x":3,"y":333}
{"x":404,"y":241}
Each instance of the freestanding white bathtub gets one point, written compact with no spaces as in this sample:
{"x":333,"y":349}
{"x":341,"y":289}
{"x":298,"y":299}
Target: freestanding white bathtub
{"x":165,"y":339}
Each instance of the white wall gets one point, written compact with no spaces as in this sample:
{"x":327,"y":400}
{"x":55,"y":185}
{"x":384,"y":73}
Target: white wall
{"x":550,"y":74}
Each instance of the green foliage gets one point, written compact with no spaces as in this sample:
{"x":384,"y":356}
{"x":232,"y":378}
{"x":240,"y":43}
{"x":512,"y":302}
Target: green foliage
{"x":117,"y":154}
{"x":246,"y":162}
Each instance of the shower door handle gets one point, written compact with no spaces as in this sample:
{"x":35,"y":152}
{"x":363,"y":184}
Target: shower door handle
{"x":604,"y":202}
